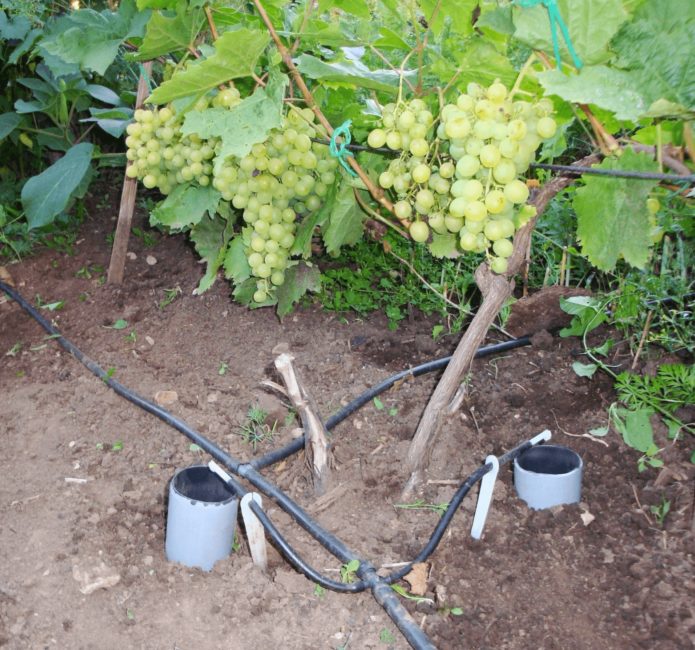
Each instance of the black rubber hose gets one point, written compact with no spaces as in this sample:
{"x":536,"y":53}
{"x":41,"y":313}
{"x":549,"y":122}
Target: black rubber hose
{"x":430,"y":366}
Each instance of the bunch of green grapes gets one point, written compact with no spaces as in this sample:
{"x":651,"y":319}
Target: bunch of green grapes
{"x":161,"y":156}
{"x":285,"y":176}
{"x":467,"y":181}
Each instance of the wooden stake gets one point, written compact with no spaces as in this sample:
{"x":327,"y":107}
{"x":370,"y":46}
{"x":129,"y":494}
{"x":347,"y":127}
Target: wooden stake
{"x":315,"y":434}
{"x":125,"y":212}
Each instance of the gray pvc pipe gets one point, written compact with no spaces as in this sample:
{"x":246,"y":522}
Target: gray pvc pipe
{"x":201,"y":518}
{"x":548,"y":475}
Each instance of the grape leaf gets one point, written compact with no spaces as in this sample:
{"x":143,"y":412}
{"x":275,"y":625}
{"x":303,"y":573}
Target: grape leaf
{"x":91,"y":39}
{"x":168,"y":33}
{"x":635,"y":428}
{"x":458,"y":12}
{"x":591,"y":25}
{"x":352,"y":73}
{"x":608,"y":88}
{"x":15,"y":29}
{"x":345,"y":221}
{"x":358,"y":8}
{"x":243,"y":125}
{"x":299,"y":279}
{"x":46,"y":195}
{"x":210,"y":237}
{"x":236,"y":55}
{"x":612,"y":215}
{"x":8,"y":123}
{"x":658,"y":49}
{"x":444,"y":245}
{"x":185,"y":207}
{"x":236,"y":266}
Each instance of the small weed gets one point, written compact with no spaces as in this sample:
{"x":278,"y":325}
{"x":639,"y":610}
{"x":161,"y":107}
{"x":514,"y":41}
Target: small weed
{"x":110,"y":237}
{"x":148,"y":239}
{"x":236,"y":543}
{"x":14,"y":350}
{"x":378,"y":404}
{"x":222,"y":370}
{"x":120,"y":324}
{"x":420,"y":504}
{"x":406,"y":594}
{"x":83,"y":297}
{"x":660,"y":511}
{"x":255,"y":429}
{"x":131,"y":338}
{"x":49,"y":306}
{"x":110,"y":372}
{"x":290,"y":418}
{"x":89,"y":271}
{"x":348,"y":571}
{"x":453,"y":611}
{"x":385,"y":636}
{"x":169,"y":296}
{"x":196,"y":449}
{"x":319,"y":591}
{"x":117,"y":446}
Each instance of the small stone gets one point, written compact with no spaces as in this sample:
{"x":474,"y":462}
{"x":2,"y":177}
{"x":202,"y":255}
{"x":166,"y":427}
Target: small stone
{"x":131,"y":256}
{"x":147,"y":560}
{"x":151,"y":260}
{"x":98,"y":577}
{"x":213,"y":397}
{"x":281,"y":348}
{"x":608,"y":556}
{"x":165,"y":397}
{"x":149,"y":340}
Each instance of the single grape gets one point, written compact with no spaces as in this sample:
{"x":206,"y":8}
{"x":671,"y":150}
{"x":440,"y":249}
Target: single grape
{"x":498,"y":265}
{"x":490,"y":155}
{"x":376,"y":138}
{"x":546,"y":127}
{"x":516,"y":192}
{"x":419,"y":231}
{"x":503,"y":248}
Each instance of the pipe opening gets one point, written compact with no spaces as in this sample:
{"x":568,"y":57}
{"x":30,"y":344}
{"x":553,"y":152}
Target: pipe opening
{"x":549,"y":459}
{"x":198,"y":483}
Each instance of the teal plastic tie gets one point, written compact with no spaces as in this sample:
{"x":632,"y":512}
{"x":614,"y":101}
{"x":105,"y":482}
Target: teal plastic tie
{"x":340,"y":150}
{"x":555,"y":21}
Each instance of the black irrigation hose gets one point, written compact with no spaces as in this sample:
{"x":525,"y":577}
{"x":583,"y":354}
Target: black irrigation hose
{"x":369,"y":578}
{"x":279,"y":454}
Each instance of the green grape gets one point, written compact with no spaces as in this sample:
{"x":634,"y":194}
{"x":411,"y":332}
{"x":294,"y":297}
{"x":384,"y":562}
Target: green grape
{"x":516,"y":192}
{"x":467,"y":166}
{"x":546,"y":127}
{"x":468,"y":240}
{"x":277,"y":278}
{"x":447,"y":170}
{"x":457,"y":208}
{"x":394,"y":140}
{"x":403,"y":210}
{"x":489,"y":155}
{"x":419,"y":147}
{"x":503,"y":248}
{"x":475,"y":211}
{"x":458,"y":127}
{"x":260,"y":296}
{"x":419,"y":231}
{"x":495,"y":202}
{"x":452,"y":223}
{"x":421,"y":174}
{"x":472,"y":190}
{"x":498,"y":265}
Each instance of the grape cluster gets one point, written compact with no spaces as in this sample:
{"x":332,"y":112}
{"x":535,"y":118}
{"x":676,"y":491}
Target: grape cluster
{"x":285,"y":176}
{"x":466,"y":179}
{"x":161,"y":156}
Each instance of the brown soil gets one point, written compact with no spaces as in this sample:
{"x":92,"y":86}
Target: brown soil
{"x":600,"y":574}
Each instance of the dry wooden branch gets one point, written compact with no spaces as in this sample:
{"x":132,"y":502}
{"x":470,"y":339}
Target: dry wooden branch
{"x":316,"y":436}
{"x":125,"y":212}
{"x":495,"y":290}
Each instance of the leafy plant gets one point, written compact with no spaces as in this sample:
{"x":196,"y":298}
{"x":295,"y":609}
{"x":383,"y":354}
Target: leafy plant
{"x":421,"y":504}
{"x":169,"y":296}
{"x":661,"y":510}
{"x":255,"y":430}
{"x":348,"y":571}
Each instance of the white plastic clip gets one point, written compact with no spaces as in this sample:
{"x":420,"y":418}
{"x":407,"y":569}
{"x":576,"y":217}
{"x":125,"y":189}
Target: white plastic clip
{"x":254,"y":530}
{"x":216,"y":469}
{"x":543,"y":436}
{"x":487,"y":485}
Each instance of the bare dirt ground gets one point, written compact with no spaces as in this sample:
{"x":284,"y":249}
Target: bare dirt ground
{"x":600,"y":574}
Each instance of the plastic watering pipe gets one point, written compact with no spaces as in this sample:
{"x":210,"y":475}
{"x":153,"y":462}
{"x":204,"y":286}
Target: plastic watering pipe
{"x":369,"y":579}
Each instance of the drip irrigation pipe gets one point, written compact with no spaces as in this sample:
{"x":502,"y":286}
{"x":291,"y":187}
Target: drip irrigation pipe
{"x":296,"y":445}
{"x":367,"y":573}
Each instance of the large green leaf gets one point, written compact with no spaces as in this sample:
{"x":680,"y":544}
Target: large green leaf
{"x":211,"y":236}
{"x":353,"y":73}
{"x":92,"y":39}
{"x":346,"y":221}
{"x":185,"y":206}
{"x":170,"y":33}
{"x":236,"y":55}
{"x":591,"y":25}
{"x":299,"y":279}
{"x":242,"y":126}
{"x":608,"y":88}
{"x":612,"y":216}
{"x":45,"y":196}
{"x":658,"y":49}
{"x":8,"y":123}
{"x":459,"y":13}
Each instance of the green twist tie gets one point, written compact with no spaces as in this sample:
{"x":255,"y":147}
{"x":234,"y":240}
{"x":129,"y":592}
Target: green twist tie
{"x":146,"y":77}
{"x":341,"y":151}
{"x":555,"y":20}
